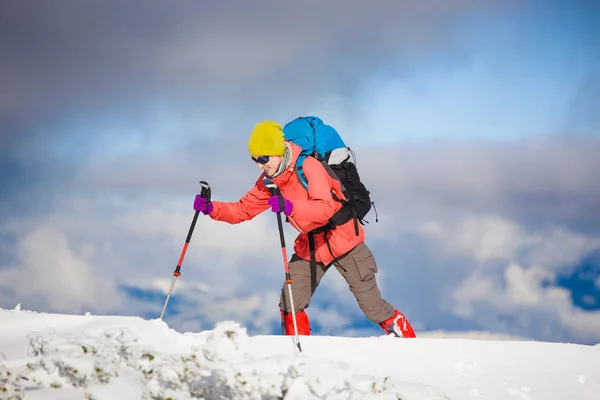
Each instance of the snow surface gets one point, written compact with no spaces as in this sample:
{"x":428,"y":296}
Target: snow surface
{"x":52,"y":356}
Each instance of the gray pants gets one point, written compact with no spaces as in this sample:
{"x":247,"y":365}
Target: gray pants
{"x":358,"y":267}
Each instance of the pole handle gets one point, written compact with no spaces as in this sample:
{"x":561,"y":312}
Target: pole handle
{"x":276,"y":192}
{"x":205,"y":191}
{"x":272,"y":187}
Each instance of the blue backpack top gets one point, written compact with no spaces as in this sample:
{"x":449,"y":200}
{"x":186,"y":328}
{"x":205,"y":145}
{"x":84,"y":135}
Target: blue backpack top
{"x":315,"y":138}
{"x":324,"y":143}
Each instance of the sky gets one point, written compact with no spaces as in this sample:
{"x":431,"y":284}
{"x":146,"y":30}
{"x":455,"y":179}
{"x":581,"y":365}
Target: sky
{"x":475,"y":125}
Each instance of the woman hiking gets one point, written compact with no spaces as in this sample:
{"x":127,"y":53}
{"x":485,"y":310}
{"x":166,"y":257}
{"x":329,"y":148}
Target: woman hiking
{"x":308,"y":211}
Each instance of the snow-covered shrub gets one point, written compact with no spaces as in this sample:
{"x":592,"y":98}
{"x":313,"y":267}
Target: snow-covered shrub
{"x":221,"y":367}
{"x":218,"y":369}
{"x":10,"y":388}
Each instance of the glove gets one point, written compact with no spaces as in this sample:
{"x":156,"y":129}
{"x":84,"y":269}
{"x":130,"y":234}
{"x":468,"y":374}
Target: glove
{"x":276,"y":207}
{"x":200,"y":205}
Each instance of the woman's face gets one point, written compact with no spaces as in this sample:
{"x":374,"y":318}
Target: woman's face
{"x":271,"y":166}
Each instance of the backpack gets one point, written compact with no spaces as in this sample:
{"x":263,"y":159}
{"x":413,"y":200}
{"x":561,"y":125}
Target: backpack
{"x":324,"y":143}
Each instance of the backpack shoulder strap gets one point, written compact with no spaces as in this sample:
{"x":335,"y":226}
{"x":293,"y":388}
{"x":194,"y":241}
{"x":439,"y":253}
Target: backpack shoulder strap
{"x":300,"y":170}
{"x":304,"y":181}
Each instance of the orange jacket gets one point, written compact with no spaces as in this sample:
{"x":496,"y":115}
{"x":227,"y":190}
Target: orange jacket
{"x":312,"y":208}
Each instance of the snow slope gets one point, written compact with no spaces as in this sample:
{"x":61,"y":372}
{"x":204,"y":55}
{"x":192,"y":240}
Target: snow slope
{"x":50,"y":356}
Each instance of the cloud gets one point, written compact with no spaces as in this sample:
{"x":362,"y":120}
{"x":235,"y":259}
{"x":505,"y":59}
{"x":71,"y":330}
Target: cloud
{"x":85,"y":60}
{"x":537,"y":181}
{"x":488,"y":239}
{"x":484,"y":229}
{"x":522,"y":303}
{"x":49,"y":272}
{"x":91,"y":244}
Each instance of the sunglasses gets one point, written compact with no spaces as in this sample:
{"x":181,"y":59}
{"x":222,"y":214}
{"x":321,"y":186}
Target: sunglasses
{"x":261,"y":159}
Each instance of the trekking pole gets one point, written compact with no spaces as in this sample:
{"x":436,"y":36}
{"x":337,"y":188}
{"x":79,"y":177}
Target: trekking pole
{"x":288,"y":279}
{"x":204,"y":192}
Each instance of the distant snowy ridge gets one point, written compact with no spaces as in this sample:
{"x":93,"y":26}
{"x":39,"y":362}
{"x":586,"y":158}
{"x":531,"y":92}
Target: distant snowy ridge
{"x":105,"y":357}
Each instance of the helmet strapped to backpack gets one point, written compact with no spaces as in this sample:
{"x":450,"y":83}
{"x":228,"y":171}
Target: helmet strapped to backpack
{"x":324,"y":143}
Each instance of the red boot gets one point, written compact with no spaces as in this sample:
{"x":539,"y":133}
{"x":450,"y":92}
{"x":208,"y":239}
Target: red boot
{"x":398,"y":325}
{"x":287,"y":323}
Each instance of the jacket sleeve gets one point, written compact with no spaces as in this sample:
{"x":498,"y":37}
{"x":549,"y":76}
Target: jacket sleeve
{"x":253,"y":203}
{"x":320,"y":205}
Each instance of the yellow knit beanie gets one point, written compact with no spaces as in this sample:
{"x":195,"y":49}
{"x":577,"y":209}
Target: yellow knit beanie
{"x":266,"y":139}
